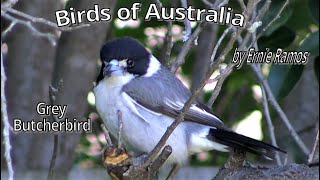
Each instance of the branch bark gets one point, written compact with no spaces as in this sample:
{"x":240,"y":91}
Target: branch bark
{"x":278,"y":109}
{"x":76,"y":62}
{"x":5,"y":120}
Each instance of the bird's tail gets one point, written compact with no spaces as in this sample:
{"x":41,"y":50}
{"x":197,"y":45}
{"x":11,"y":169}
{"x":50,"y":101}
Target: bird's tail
{"x":244,"y":143}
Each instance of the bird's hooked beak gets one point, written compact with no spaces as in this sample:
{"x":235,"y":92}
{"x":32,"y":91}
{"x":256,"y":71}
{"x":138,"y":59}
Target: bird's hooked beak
{"x":113,"y":68}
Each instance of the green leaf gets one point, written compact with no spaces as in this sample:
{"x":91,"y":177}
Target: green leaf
{"x":311,"y":44}
{"x":301,"y":17}
{"x":273,"y":12}
{"x":281,"y":38}
{"x":314,"y":9}
{"x":283,"y":78}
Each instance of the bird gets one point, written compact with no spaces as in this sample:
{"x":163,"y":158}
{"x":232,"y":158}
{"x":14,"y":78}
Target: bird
{"x":132,"y":81}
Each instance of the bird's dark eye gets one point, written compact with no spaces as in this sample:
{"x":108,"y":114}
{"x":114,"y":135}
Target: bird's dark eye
{"x":130,"y":63}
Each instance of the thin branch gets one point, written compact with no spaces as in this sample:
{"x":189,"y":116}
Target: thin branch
{"x":173,"y":172}
{"x":186,"y":47}
{"x":223,"y":3}
{"x":42,"y":20}
{"x":52,"y":96}
{"x":187,"y":32}
{"x":6,"y":124}
{"x":314,"y":156}
{"x":216,"y":4}
{"x":263,"y":10}
{"x":53,"y":157}
{"x":225,"y":32}
{"x":278,"y":109}
{"x":267,"y":113}
{"x":269,"y":123}
{"x":28,"y":24}
{"x":271,"y":22}
{"x":120,"y":128}
{"x":166,"y":152}
{"x":106,"y":135}
{"x":22,"y":18}
{"x":9,"y":3}
{"x":242,"y":5}
{"x":6,"y":31}
{"x":168,"y":43}
{"x":221,"y":78}
{"x":169,"y":130}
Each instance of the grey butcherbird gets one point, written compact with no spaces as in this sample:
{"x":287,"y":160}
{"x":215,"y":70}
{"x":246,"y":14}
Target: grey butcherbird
{"x":150,"y":97}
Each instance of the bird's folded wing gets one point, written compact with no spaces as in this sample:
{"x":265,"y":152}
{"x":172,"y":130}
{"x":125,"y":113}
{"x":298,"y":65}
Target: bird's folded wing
{"x":194,"y":114}
{"x":164,"y":93}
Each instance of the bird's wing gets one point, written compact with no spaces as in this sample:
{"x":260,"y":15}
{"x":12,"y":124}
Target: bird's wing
{"x":168,"y":97}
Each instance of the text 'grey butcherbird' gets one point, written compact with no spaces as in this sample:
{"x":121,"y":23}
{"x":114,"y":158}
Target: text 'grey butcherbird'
{"x":150,"y":97}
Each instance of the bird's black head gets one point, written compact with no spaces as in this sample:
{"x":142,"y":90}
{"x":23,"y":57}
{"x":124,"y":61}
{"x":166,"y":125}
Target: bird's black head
{"x":123,"y":55}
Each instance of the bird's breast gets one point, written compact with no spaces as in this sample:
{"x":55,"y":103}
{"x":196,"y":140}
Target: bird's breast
{"x":141,"y":132}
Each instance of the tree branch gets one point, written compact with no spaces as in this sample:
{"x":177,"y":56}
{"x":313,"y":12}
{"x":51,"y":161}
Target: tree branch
{"x":6,"y":124}
{"x":187,"y":32}
{"x":173,"y":172}
{"x":314,"y":156}
{"x":225,"y":32}
{"x":269,"y":122}
{"x":52,"y":96}
{"x":278,"y":109}
{"x":168,"y":43}
{"x":9,"y":3}
{"x":186,"y":47}
{"x":224,"y":73}
{"x":33,"y":19}
{"x":27,"y":20}
{"x":267,"y":4}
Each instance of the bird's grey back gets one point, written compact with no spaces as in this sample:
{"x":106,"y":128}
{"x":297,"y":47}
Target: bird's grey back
{"x":153,"y":90}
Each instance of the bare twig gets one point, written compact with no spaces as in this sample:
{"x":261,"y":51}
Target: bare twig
{"x":120,"y":128}
{"x":187,"y":32}
{"x":6,"y":124}
{"x":223,"y":3}
{"x":27,"y":20}
{"x":52,"y":96}
{"x":269,"y":123}
{"x":223,"y":75}
{"x":216,"y":4}
{"x":186,"y":47}
{"x":106,"y":135}
{"x":263,"y":10}
{"x":278,"y":109}
{"x":225,"y":32}
{"x":173,"y":172}
{"x":271,"y":22}
{"x":42,"y":20}
{"x":155,"y":166}
{"x":28,"y":24}
{"x":314,"y":156}
{"x":6,"y":31}
{"x":9,"y":3}
{"x":242,"y":5}
{"x":168,"y":43}
{"x":54,"y":156}
{"x":169,"y":131}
